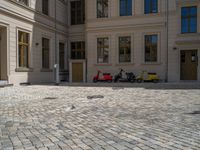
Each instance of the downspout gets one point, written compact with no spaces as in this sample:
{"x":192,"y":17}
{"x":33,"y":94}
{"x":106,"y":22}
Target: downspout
{"x":167,"y":41}
{"x":57,"y":80}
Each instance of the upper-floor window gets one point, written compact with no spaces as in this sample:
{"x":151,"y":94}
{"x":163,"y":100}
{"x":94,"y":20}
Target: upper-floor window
{"x":125,"y":7}
{"x":102,"y":50}
{"x":150,"y":6}
{"x":151,"y":48}
{"x":78,"y":50}
{"x":77,"y":12}
{"x":24,"y":2}
{"x":23,"y":49}
{"x":124,"y":49}
{"x":189,"y":19}
{"x":45,"y":7}
{"x":102,"y":8}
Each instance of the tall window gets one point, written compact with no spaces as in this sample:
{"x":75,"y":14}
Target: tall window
{"x":24,"y":2}
{"x":23,"y":49}
{"x":150,"y":6}
{"x":102,"y":50}
{"x":151,"y":48}
{"x":77,"y":12}
{"x":62,"y":56}
{"x":102,"y":8}
{"x":125,"y":49}
{"x":78,"y":50}
{"x":125,"y":7}
{"x":45,"y":7}
{"x":45,"y":53}
{"x":189,"y":19}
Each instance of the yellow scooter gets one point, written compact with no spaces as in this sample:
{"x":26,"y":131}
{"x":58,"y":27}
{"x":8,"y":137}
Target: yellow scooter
{"x":147,"y":77}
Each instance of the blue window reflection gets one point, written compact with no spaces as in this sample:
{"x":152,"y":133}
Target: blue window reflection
{"x":150,"y":6}
{"x":189,"y":19}
{"x":125,"y":7}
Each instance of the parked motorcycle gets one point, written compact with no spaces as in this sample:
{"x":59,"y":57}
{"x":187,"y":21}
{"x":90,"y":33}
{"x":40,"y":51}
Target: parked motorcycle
{"x":102,"y":77}
{"x":129,"y":77}
{"x":147,"y":77}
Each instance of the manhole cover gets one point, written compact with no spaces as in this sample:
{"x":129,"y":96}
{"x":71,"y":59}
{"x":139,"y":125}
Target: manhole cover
{"x":95,"y":96}
{"x":194,"y":113}
{"x":50,"y":98}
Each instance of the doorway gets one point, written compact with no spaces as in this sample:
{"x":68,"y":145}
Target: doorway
{"x":77,"y":72}
{"x":189,"y":64}
{"x":3,"y":53}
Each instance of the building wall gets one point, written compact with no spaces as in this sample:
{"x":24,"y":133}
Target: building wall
{"x":178,"y":41}
{"x":30,"y":19}
{"x":136,"y":26}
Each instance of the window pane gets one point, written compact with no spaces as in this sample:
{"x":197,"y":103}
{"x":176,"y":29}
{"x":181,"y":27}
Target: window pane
{"x":102,"y":8}
{"x":193,"y":25}
{"x":102,"y":50}
{"x":189,"y":19}
{"x":151,"y":46}
{"x":150,"y":6}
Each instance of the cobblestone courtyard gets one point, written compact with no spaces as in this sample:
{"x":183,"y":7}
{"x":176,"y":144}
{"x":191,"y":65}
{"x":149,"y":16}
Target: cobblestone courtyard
{"x":64,"y":117}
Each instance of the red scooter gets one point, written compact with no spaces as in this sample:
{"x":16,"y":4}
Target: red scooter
{"x":102,"y":77}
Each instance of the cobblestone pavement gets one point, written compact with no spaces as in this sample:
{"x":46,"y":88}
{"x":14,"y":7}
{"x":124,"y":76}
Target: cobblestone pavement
{"x":64,"y":117}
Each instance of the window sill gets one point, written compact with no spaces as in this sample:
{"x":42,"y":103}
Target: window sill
{"x":188,"y":34}
{"x":151,"y":63}
{"x":46,"y":70}
{"x":24,"y":70}
{"x":124,"y":64}
{"x":103,"y":64}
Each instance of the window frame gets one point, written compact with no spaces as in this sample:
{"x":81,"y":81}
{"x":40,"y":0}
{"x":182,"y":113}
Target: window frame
{"x":44,"y":48}
{"x":126,"y":13}
{"x":104,"y":47}
{"x":130,"y":46}
{"x":27,"y":66}
{"x":63,"y":51}
{"x":103,"y":9}
{"x":81,"y":50}
{"x":157,"y":51}
{"x":151,"y":7}
{"x":43,"y":10}
{"x":76,"y":9}
{"x":22,"y":3}
{"x":189,"y":18}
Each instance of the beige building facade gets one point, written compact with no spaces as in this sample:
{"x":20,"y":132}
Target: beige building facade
{"x":160,"y":36}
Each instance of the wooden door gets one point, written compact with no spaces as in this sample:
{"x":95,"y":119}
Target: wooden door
{"x":189,"y":63}
{"x":77,"y":72}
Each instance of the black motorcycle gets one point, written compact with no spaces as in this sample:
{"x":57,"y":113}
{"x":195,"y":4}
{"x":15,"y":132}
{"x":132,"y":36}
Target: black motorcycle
{"x":130,"y":77}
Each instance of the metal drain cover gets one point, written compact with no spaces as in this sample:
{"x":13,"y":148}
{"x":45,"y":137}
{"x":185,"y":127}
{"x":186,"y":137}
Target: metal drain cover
{"x":195,"y":113}
{"x":50,"y":98}
{"x":95,"y":97}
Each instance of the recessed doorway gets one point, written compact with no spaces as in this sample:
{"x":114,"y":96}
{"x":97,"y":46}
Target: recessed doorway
{"x":189,"y":64}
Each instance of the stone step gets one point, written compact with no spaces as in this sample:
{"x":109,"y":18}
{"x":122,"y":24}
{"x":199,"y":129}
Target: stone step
{"x":4,"y":83}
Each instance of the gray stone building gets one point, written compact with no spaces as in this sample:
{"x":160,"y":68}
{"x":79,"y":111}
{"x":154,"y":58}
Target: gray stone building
{"x":83,"y":36}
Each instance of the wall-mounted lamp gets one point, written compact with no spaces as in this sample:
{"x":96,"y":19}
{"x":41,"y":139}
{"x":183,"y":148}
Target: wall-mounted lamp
{"x":36,"y":44}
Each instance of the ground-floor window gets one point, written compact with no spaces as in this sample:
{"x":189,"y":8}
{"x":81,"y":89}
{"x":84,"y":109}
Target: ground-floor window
{"x":102,"y":50}
{"x":23,"y":49}
{"x":62,"y":56}
{"x":151,"y":48}
{"x":45,"y":53}
{"x":78,"y":50}
{"x":124,"y":49}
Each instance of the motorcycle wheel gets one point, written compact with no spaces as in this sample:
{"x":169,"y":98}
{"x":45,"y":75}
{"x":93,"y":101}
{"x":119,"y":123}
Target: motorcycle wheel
{"x":95,"y":81}
{"x":139,"y":80}
{"x":132,"y":80}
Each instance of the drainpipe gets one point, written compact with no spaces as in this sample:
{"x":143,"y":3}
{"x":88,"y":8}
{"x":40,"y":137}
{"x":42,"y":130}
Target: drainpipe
{"x":56,"y":66}
{"x":167,"y":40}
